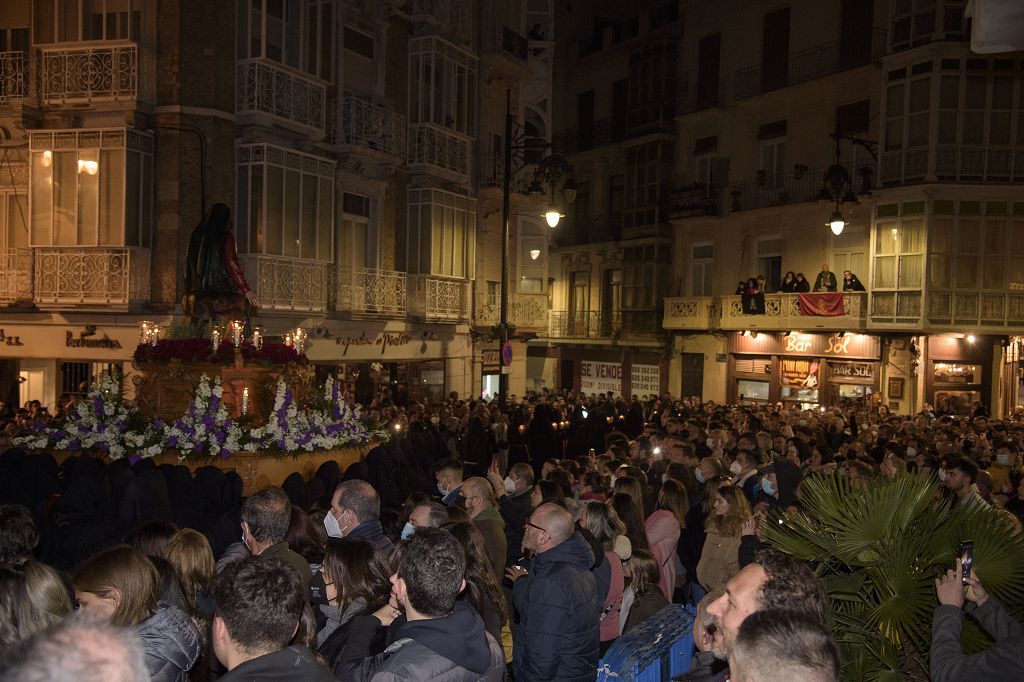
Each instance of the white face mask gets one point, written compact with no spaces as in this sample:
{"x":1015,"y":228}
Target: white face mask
{"x":942,"y":474}
{"x":911,"y":452}
{"x":736,"y":468}
{"x":510,"y":485}
{"x":334,"y":530}
{"x":711,"y":443}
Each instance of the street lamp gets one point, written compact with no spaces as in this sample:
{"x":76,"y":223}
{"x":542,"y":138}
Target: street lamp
{"x":838,"y":185}
{"x":552,"y":170}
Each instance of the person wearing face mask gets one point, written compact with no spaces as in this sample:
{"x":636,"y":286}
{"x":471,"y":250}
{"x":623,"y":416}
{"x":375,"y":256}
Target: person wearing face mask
{"x":265,"y":520}
{"x":449,"y":482}
{"x":1005,"y":460}
{"x":355,"y":577}
{"x":744,"y":472}
{"x":355,"y":512}
{"x":427,"y":515}
{"x":480,"y":506}
{"x":514,"y":504}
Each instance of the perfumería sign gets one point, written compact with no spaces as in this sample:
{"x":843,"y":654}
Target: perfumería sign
{"x":383,"y":340}
{"x":601,"y":377}
{"x":89,"y":339}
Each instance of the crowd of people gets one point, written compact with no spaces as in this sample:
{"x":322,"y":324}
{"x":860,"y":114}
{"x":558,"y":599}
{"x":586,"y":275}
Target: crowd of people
{"x":477,"y":544}
{"x":754,"y":289}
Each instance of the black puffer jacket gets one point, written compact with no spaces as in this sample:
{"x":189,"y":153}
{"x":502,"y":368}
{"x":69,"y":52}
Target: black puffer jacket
{"x":171,"y":643}
{"x":559,"y":613}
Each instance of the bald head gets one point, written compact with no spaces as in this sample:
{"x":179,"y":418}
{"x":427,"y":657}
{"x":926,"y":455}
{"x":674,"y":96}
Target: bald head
{"x":478,"y":495}
{"x":556,"y":520}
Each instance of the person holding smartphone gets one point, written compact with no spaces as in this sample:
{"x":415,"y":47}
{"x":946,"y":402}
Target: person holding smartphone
{"x":1004,"y":660}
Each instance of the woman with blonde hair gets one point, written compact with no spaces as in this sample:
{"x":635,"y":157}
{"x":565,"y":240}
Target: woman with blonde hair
{"x":189,"y":552}
{"x":120,"y":585}
{"x":663,"y":528}
{"x":719,"y":560}
{"x":32,"y":596}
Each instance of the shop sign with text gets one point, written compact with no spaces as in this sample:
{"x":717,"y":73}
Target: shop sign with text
{"x":601,"y":377}
{"x":858,"y":346}
{"x":645,"y":380}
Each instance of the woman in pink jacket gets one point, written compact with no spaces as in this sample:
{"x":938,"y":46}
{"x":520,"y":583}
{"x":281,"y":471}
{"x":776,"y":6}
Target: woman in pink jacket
{"x":602,"y":521}
{"x":663,"y":528}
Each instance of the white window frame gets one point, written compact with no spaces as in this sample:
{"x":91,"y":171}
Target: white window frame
{"x":702,"y":265}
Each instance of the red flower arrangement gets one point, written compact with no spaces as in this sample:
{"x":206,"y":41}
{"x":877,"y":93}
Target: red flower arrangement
{"x":199,"y":350}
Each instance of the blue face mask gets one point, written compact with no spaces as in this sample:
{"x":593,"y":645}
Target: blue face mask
{"x":699,"y":475}
{"x":408,"y":530}
{"x":1003,"y":459}
{"x":767,"y":487}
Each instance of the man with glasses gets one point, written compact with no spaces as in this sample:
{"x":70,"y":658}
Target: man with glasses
{"x":557,"y":600}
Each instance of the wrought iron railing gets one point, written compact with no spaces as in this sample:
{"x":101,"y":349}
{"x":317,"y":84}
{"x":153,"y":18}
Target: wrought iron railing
{"x":13,"y":76}
{"x":589,"y":324}
{"x":267,"y":87}
{"x":497,"y":37}
{"x":979,"y":163}
{"x":439,"y":299}
{"x":526,"y":311}
{"x":81,"y":276}
{"x":697,"y":199}
{"x":438,"y":147}
{"x":369,"y":291}
{"x":580,"y":139}
{"x":82,"y":75}
{"x":692,"y":98}
{"x":805,"y":65}
{"x":15,"y":275}
{"x":784,"y":188}
{"x":289,"y":283}
{"x":373,"y":127}
{"x":456,"y":15}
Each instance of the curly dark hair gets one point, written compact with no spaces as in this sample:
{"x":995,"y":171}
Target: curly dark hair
{"x":18,"y":534}
{"x":790,"y":584}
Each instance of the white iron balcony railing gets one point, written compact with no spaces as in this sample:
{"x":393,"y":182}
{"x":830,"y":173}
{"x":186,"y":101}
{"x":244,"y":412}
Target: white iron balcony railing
{"x":373,"y":127}
{"x":498,"y":38}
{"x":783,"y":312}
{"x":439,"y":149}
{"x":15,"y":275}
{"x":13,"y":76}
{"x":369,"y":291}
{"x":90,"y":276}
{"x":289,"y":283}
{"x":91,"y":73}
{"x":290,"y":96}
{"x":439,"y":299}
{"x":979,"y":163}
{"x":525,"y":311}
{"x":692,"y":312}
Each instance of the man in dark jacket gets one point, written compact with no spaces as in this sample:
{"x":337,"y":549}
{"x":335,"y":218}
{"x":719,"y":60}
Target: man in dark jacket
{"x":259,"y":604}
{"x":1004,"y":660}
{"x":265,"y":519}
{"x":355,"y":509}
{"x":514,"y":505}
{"x":482,"y":510}
{"x":442,"y":639}
{"x":557,"y":601}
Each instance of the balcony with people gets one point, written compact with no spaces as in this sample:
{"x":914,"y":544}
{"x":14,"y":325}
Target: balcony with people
{"x":831,"y":302}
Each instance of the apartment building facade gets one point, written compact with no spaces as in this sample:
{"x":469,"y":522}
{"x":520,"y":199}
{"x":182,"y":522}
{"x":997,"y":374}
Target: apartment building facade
{"x":342,"y":134}
{"x":615,"y":80}
{"x":929,"y":136}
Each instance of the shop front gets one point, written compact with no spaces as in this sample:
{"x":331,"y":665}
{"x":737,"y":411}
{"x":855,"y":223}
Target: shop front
{"x":592,"y":371}
{"x":958,"y":374}
{"x":803,"y":370}
{"x":411,"y":364}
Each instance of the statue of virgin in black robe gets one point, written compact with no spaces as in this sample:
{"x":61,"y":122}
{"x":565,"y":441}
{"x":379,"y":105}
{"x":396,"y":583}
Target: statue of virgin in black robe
{"x":215,"y":286}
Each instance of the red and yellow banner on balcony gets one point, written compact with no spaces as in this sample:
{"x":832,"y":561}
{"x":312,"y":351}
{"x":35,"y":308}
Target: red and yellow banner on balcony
{"x":828,"y":304}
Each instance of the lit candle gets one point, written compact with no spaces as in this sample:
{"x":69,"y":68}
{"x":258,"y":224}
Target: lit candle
{"x":522,"y":427}
{"x":154,"y":335}
{"x":257,"y":338}
{"x":554,"y":425}
{"x":288,"y":339}
{"x":215,"y":340}
{"x":236,"y":333}
{"x":144,"y":333}
{"x":245,"y":401}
